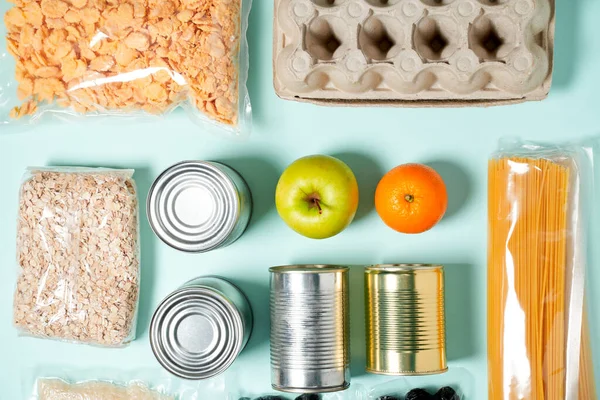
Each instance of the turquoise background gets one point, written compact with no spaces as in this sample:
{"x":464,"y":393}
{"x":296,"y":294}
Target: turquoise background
{"x":457,"y":142}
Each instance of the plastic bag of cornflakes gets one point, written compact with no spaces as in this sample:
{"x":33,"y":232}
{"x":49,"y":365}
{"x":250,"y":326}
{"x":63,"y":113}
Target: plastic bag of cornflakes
{"x":129,"y":57}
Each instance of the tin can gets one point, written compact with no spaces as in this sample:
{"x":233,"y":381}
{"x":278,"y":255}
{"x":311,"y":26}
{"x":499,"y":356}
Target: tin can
{"x":309,"y":328}
{"x":198,"y":206}
{"x":405,"y":322}
{"x":199,"y":330}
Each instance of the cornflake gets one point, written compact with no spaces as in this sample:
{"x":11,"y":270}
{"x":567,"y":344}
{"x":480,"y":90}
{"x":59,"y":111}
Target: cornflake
{"x":151,"y":55}
{"x":77,"y":246}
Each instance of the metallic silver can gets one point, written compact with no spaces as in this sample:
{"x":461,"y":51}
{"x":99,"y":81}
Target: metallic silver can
{"x":199,"y":330}
{"x":310,"y":328}
{"x":198,"y":206}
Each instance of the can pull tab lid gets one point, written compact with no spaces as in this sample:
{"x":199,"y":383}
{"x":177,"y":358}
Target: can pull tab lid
{"x":196,"y":334}
{"x":194,"y":206}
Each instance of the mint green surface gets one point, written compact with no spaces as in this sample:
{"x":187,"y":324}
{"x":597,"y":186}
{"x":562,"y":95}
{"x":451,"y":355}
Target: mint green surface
{"x":457,"y":142}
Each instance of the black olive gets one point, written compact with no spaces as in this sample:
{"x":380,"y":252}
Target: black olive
{"x":309,"y":396}
{"x":388,"y":398}
{"x":446,"y":393}
{"x":419,"y":394}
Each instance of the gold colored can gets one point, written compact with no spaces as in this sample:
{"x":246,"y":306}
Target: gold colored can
{"x":405,"y":322}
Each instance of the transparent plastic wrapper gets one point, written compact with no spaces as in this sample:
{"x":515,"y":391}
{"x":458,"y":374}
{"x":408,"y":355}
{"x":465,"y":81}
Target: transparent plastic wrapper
{"x":539,"y":200}
{"x":127,"y":58}
{"x":456,"y":384}
{"x":297,"y":396}
{"x":78,"y":256}
{"x":56,"y":389}
{"x":60,"y":383}
{"x":392,"y":388}
{"x":285,"y":396}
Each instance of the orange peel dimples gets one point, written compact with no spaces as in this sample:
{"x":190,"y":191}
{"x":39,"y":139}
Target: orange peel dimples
{"x":107,"y":55}
{"x":411,"y":198}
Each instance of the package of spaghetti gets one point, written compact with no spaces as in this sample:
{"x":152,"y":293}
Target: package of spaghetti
{"x":539,"y":214}
{"x":74,"y":58}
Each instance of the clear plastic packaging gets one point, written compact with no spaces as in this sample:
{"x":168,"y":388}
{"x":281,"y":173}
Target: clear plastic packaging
{"x":108,"y":384}
{"x":227,"y":386}
{"x":55,"y":389}
{"x":345,"y":395}
{"x":78,"y":255}
{"x":126,"y":58}
{"x":538,"y":206}
{"x":458,"y":379}
{"x":288,"y":396}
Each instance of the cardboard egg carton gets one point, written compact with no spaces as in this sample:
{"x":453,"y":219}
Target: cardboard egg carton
{"x":413,"y":52}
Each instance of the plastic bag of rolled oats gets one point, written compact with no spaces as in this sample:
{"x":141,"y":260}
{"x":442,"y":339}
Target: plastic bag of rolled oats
{"x":73,"y":58}
{"x":78,"y":255}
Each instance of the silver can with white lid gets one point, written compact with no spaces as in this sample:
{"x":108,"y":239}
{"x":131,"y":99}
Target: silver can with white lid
{"x":198,"y":206}
{"x":198,"y":331}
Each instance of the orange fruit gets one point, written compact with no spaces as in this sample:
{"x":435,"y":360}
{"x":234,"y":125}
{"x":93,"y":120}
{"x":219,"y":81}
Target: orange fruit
{"x":411,"y":198}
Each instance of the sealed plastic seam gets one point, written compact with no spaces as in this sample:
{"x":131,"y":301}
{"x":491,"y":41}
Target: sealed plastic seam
{"x":52,"y":389}
{"x":132,"y":58}
{"x":53,"y":382}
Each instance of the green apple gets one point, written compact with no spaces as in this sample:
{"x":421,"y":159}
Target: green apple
{"x":317,"y":196}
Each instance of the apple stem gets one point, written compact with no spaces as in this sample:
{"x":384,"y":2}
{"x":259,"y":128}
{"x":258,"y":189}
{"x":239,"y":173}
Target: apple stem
{"x":409,"y":198}
{"x":318,"y":204}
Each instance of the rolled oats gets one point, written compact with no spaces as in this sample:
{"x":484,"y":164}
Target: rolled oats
{"x":78,"y":253}
{"x":84,"y":54}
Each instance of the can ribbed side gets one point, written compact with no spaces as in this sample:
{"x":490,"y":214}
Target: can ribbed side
{"x":310,"y":332}
{"x":405,"y":321}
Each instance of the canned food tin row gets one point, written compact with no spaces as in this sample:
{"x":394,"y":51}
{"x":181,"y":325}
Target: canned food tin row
{"x":200,"y":329}
{"x":405,"y":324}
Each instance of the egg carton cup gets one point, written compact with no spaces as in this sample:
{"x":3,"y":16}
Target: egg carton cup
{"x":413,"y":52}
